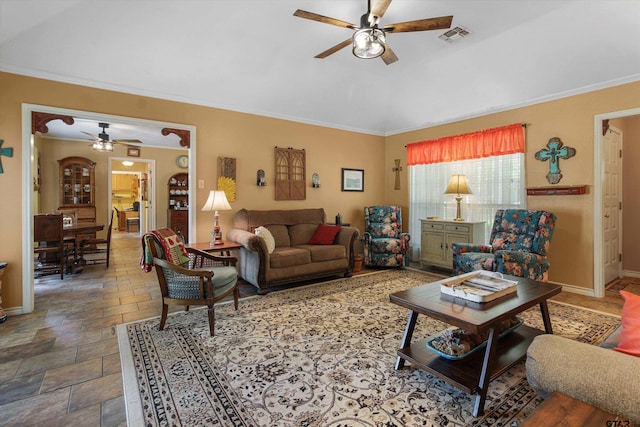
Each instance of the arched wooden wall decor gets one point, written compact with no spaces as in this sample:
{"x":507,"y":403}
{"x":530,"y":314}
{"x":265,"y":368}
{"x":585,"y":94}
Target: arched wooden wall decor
{"x":184,"y":135}
{"x":39,"y":121}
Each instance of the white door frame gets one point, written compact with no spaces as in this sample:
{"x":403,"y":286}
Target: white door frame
{"x":27,"y":173}
{"x":598,"y":180}
{"x":151,"y":164}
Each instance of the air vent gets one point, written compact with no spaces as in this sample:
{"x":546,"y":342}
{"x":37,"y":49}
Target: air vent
{"x":454,"y":34}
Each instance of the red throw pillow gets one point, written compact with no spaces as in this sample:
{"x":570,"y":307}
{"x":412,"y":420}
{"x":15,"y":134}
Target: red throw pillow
{"x":325,"y":235}
{"x":630,"y":335}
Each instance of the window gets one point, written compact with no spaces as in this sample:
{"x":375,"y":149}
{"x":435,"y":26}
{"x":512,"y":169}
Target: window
{"x":495,"y":176}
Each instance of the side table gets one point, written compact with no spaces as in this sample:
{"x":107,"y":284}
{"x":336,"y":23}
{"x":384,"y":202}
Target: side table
{"x":225,"y":248}
{"x":3,"y":316}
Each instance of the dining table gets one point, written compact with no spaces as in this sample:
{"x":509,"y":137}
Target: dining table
{"x":75,"y":230}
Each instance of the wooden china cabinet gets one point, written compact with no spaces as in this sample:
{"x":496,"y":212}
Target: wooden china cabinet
{"x":77,"y":190}
{"x":178,"y":212}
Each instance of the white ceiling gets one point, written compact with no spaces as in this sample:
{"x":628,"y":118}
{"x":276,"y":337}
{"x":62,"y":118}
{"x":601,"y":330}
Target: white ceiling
{"x":254,"y":56}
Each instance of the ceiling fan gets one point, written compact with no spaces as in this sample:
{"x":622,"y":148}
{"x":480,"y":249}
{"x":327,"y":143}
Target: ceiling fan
{"x":369,"y":41}
{"x":101,"y":142}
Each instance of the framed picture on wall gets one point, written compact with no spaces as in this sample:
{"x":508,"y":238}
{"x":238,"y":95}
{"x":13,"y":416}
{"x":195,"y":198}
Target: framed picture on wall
{"x":133,"y":152}
{"x":352,"y":179}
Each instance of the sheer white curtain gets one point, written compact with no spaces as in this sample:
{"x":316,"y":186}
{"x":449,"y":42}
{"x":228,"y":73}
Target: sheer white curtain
{"x":497,"y":182}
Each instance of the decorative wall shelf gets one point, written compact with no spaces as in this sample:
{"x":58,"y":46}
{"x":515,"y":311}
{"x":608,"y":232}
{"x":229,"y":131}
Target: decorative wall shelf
{"x":565,"y":190}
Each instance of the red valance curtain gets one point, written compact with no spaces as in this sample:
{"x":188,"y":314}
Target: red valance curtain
{"x":485,"y":143}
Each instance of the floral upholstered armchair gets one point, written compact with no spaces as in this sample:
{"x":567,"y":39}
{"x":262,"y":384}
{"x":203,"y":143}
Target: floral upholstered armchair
{"x":518,"y":246}
{"x":385,"y":245}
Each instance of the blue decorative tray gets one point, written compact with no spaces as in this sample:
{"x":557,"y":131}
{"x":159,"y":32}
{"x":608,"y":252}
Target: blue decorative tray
{"x":473,"y":350}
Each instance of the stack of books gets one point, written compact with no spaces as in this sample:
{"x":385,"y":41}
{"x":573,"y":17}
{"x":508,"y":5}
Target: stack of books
{"x":483,"y":286}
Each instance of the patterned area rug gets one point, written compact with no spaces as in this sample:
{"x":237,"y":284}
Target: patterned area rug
{"x":629,"y":284}
{"x":320,"y":355}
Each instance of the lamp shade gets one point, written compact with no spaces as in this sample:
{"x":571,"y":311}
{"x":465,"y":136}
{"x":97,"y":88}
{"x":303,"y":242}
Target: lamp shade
{"x":458,"y":185}
{"x":217,"y":201}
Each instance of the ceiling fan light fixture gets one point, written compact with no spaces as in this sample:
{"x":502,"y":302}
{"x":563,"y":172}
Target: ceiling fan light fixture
{"x":369,"y":43}
{"x":103,"y":146}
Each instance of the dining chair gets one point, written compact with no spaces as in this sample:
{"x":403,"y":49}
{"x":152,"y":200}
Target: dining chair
{"x":48,"y":236}
{"x":188,"y":276}
{"x":97,"y":246}
{"x":70,"y":218}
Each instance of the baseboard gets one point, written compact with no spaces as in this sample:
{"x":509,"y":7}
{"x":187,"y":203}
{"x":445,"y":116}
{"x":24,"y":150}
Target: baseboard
{"x":575,"y":289}
{"x":14,"y":311}
{"x":634,"y":274}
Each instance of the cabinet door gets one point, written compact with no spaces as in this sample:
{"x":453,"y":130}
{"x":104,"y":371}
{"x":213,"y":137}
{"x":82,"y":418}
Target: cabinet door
{"x":432,"y":246}
{"x":454,"y":238}
{"x":179,"y":222}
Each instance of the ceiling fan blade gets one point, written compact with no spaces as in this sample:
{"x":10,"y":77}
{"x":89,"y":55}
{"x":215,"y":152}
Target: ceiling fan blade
{"x":378,"y":8}
{"x":90,"y":134}
{"x":324,"y":19}
{"x":334,"y":49}
{"x":439,"y":23}
{"x":128,"y":141}
{"x":388,"y":56}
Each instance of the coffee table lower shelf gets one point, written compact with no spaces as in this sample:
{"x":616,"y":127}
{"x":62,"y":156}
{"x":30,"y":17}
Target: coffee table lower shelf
{"x":465,"y":373}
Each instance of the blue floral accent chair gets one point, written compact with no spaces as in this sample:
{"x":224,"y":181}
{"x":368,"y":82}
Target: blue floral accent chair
{"x":518,"y":246}
{"x":385,"y":245}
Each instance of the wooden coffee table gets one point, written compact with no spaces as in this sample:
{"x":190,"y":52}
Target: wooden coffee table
{"x":472,"y":374}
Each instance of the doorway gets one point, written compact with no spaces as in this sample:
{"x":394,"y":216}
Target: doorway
{"x":600,"y":222}
{"x":132,"y":194}
{"x":29,"y":166}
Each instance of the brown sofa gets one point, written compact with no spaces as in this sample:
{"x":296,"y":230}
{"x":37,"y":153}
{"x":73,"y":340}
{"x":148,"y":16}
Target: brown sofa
{"x":293,"y":259}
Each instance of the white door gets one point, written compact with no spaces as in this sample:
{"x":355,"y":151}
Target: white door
{"x":612,"y":203}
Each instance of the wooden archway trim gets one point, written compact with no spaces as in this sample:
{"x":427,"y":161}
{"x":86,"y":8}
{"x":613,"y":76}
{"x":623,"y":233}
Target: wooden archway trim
{"x":39,"y":121}
{"x":184,"y":135}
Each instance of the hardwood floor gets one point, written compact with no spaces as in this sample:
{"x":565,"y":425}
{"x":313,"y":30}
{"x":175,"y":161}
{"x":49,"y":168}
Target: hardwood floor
{"x":60,"y":365}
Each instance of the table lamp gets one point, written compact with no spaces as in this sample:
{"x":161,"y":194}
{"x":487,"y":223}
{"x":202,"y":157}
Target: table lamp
{"x":458,"y":185}
{"x":217,"y":201}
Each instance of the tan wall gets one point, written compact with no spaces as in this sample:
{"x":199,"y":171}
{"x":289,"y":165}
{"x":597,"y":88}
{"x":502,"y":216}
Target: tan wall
{"x":250,"y":139}
{"x":571,"y":119}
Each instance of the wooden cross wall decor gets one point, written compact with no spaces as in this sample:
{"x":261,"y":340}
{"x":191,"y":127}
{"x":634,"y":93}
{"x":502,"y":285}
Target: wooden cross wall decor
{"x":397,"y":168}
{"x":7,"y":151}
{"x":553,"y":153}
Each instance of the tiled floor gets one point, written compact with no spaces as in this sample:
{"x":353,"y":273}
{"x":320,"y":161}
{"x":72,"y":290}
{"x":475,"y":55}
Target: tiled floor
{"x":60,"y":364}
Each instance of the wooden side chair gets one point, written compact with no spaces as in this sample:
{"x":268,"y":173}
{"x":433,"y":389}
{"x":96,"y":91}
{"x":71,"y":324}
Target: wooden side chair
{"x":97,"y":246}
{"x":188,"y":276}
{"x":48,"y":234}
